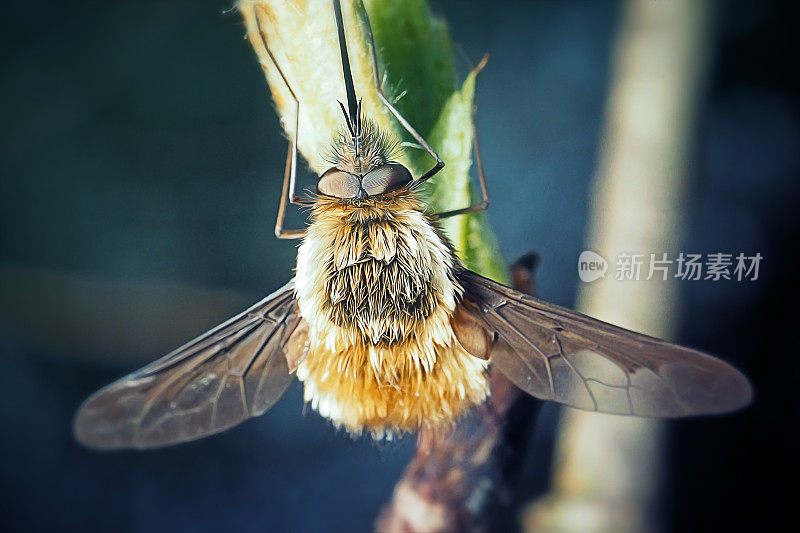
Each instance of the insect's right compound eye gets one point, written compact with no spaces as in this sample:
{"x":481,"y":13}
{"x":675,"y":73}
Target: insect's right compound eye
{"x":339,"y":184}
{"x":386,"y":178}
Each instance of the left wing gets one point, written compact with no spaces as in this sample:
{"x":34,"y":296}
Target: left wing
{"x":233,"y":372}
{"x":556,"y":354}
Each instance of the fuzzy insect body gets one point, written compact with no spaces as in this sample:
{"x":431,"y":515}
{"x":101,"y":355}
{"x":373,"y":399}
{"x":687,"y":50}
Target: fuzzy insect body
{"x":376,"y":282}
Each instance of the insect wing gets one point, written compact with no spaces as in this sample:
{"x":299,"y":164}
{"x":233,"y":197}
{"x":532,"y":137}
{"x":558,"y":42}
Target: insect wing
{"x":231,"y":373}
{"x":556,"y":354}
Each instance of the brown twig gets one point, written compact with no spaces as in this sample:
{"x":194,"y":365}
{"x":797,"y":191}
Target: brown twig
{"x":461,"y":479}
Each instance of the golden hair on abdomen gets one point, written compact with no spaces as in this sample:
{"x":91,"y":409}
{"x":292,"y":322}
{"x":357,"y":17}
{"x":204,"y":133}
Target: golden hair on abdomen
{"x":375,"y":283}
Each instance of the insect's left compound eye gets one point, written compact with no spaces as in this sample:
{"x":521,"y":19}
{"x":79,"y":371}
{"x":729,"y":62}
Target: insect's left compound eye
{"x":386,"y":178}
{"x":338,"y":183}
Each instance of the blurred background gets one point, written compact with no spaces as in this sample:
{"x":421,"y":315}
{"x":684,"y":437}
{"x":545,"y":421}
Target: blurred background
{"x":140,"y":169}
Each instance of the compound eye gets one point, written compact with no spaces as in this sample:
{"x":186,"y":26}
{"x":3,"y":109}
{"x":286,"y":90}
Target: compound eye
{"x":386,"y":178}
{"x":337,"y":183}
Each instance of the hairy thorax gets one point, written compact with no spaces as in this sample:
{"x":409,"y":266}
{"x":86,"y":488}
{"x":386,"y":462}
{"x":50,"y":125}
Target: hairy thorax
{"x":376,"y":286}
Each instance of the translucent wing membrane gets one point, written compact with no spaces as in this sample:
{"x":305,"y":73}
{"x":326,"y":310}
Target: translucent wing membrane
{"x":233,"y":372}
{"x":556,"y":354}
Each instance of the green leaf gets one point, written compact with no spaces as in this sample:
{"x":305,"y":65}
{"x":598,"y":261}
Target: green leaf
{"x":416,"y":55}
{"x":452,"y":137}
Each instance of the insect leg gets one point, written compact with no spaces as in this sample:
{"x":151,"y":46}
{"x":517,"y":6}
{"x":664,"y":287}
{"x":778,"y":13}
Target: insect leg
{"x":288,"y":192}
{"x":288,"y":178}
{"x":484,"y":203}
{"x":403,"y":122}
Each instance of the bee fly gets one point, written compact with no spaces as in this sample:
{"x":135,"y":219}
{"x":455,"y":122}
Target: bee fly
{"x":388,"y":332}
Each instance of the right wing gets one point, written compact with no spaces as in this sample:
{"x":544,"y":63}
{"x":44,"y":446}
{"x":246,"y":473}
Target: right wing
{"x":556,"y":354}
{"x":233,"y":372}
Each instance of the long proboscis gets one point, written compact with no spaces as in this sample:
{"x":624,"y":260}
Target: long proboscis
{"x":352,"y":102}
